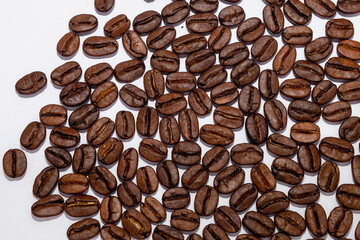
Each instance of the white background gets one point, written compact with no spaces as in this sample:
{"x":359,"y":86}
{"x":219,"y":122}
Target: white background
{"x":29,"y":32}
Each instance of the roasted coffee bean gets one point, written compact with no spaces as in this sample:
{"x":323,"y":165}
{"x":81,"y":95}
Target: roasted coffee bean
{"x":186,"y":153}
{"x":304,"y":111}
{"x":295,"y":88}
{"x":83,"y":117}
{"x":195,"y":177}
{"x":349,"y":49}
{"x":243,"y":197}
{"x":204,"y":5}
{"x":304,"y":194}
{"x":324,"y":92}
{"x":110,"y":209}
{"x":147,"y":180}
{"x":168,"y":173}
{"x":194,"y":236}
{"x":58,"y":157}
{"x":202,"y":22}
{"x":146,"y":22}
{"x":64,"y":137}
{"x":256,"y":128}
{"x":247,"y":237}
{"x":84,"y":229}
{"x":53,"y":115}
{"x":290,"y":222}
{"x":309,"y":71}
{"x":104,"y":5}
{"x":328,"y":177}
{"x":65,"y":74}
{"x":280,"y":236}
{"x":264,"y":48}
{"x":316,"y":220}
{"x":73,"y":183}
{"x":134,"y":45}
{"x":117,"y":26}
{"x":153,"y":210}
{"x":224,"y":93}
{"x":262,"y":178}
{"x":125,"y":124}
{"x":83,"y":23}
{"x":154,"y":83}
{"x":318,"y":49}
{"x":129,"y":71}
{"x":229,"y":117}
{"x":206,"y":200}
{"x":297,"y":12}
{"x":113,"y":232}
{"x":200,"y":102}
{"x":169,"y":130}
{"x":14,"y":163}
{"x":104,"y":95}
{"x":147,"y":121}
{"x":161,"y":37}
{"x":246,"y":154}
{"x":101,"y":130}
{"x":250,"y":29}
{"x":84,"y":159}
{"x":75,"y":94}
{"x":275,"y":113}
{"x":166,"y":232}
{"x":258,"y":224}
{"x":219,"y":38}
{"x":233,"y":54}
{"x":272,"y":202}
{"x":213,"y":231}
{"x":152,"y":150}
{"x":273,"y":18}
{"x":336,"y":149}
{"x":342,"y":68}
{"x":281,"y":145}
{"x":81,"y":205}
{"x":102,"y":180}
{"x":231,"y":16}
{"x":100,"y":46}
{"x":133,"y":96}
{"x":128,"y":163}
{"x":284,"y":59}
{"x":170,"y":103}
{"x":305,"y":132}
{"x":200,"y":61}
{"x":245,"y":72}
{"x":229,"y":179}
{"x":349,"y":129}
{"x":49,"y":206}
{"x":212,"y":77}
{"x":110,"y":151}
{"x":349,"y":196}
{"x":339,"y":28}
{"x":349,"y":91}
{"x":340,"y":221}
{"x":297,"y":35}
{"x":165,"y":61}
{"x":68,"y":44}
{"x":323,"y":8}
{"x":31,"y":83}
{"x":268,"y":84}
{"x":180,"y":82}
{"x":176,"y":198}
{"x":189,"y":43}
{"x":215,"y":159}
{"x":189,"y":124}
{"x":135,"y":223}
{"x":287,"y":170}
{"x":185,"y":220}
{"x":348,"y":6}
{"x":249,"y":99}
{"x":175,"y":12}
{"x":337,"y":111}
{"x":216,"y":135}
{"x":129,"y":194}
{"x":227,"y":219}
{"x":309,"y":158}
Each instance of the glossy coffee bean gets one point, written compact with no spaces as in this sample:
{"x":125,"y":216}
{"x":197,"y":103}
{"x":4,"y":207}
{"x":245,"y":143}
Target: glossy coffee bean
{"x":287,"y":170}
{"x":243,"y":197}
{"x":219,"y":38}
{"x":64,"y":137}
{"x":128,"y":163}
{"x":176,"y":198}
{"x":224,"y":93}
{"x":83,"y":117}
{"x":304,"y":194}
{"x":84,"y":159}
{"x":323,"y":8}
{"x":135,"y":223}
{"x":262,"y":178}
{"x":336,"y":149}
{"x":49,"y":206}
{"x":275,"y":113}
{"x":229,"y":116}
{"x":104,"y":5}
{"x":168,"y":173}
{"x":204,"y":5}
{"x":104,"y":95}
{"x":349,"y":129}
{"x":31,"y":83}
{"x":195,"y":177}
{"x":65,"y":74}
{"x":133,"y":96}
{"x":328,"y":177}
{"x":339,"y":221}
{"x":146,"y":22}
{"x":290,"y":222}
{"x":215,"y":159}
{"x":110,"y":209}
{"x":229,"y":179}
{"x":316,"y":220}
{"x":268,"y":84}
{"x":73,"y":183}
{"x":206,"y":200}
{"x":273,"y":18}
{"x":100,"y":131}
{"x":249,"y":99}
{"x":337,"y":111}
{"x":84,"y":229}
{"x":256,"y":128}
{"x":68,"y":44}
{"x":154,"y":83}
{"x":200,"y":102}
{"x":113,"y":232}
{"x":194,"y":236}
{"x":297,"y":12}
{"x":165,"y":61}
{"x":75,"y":94}
{"x":258,"y":224}
{"x":125,"y":124}
{"x":213,"y":231}
{"x":342,"y":68}
{"x":324,"y":92}
{"x":185,"y":220}
{"x":110,"y":151}
{"x":153,"y":210}
{"x":355,"y":169}
{"x":202,"y":22}
{"x":246,"y":154}
{"x":152,"y":150}
{"x":233,"y":54}
{"x":14,"y":163}
{"x":169,"y":130}
{"x":83,"y":23}
{"x":348,"y":196}
{"x":295,"y":88}
{"x":304,"y":111}
{"x":250,"y":29}
{"x":81,"y":205}
{"x":349,"y":91}
{"x":346,"y":6}
{"x":309,"y":71}
{"x":216,"y":135}
{"x":189,"y":124}
{"x":129,"y":71}
{"x":349,"y":49}
{"x":117,"y":26}
{"x":284,"y":59}
{"x":272,"y":202}
{"x":100,"y":46}
{"x":200,"y":61}
{"x":339,"y":28}
{"x":297,"y":35}
{"x":180,"y":82}
{"x":175,"y":12}
{"x":53,"y":115}
{"x":147,"y":121}
{"x":264,"y":48}
{"x":189,"y":43}
{"x":305,"y":132}
{"x":129,"y":194}
{"x":212,"y":77}
{"x":147,"y":180}
{"x":318,"y":49}
{"x":281,"y":145}
{"x":170,"y":103}
{"x":227,"y":219}
{"x":245,"y":72}
{"x":186,"y":153}
{"x":309,"y":158}
{"x":231,"y":16}
{"x":134,"y":45}
{"x":102,"y":180}
{"x":167,"y":232}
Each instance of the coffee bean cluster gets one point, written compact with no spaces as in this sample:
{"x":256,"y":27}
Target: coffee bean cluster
{"x":209,"y":89}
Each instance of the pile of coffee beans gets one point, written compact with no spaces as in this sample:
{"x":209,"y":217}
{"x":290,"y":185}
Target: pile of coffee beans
{"x":224,"y":79}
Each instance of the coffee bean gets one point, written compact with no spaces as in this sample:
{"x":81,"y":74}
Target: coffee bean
{"x":318,"y":49}
{"x":186,"y":153}
{"x":81,"y":205}
{"x":83,"y":23}
{"x":194,"y":236}
{"x":275,"y":113}
{"x":249,"y":99}
{"x":154,"y":83}
{"x":58,"y":157}
{"x":165,"y":61}
{"x":161,"y":37}
{"x":224,"y":93}
{"x":349,"y":129}
{"x":339,"y":221}
{"x":212,"y":77}
{"x":84,"y":159}
{"x":125,"y":124}
{"x":316,"y":220}
{"x":297,"y":35}
{"x":113,"y":232}
{"x":84,"y":229}
{"x":295,"y":88}
{"x":297,"y":12}
{"x":73,"y":183}
{"x":323,"y":8}
{"x":328,"y":177}
{"x":134,"y":45}
{"x":309,"y":71}
{"x":49,"y":206}
{"x":135,"y":223}
{"x":337,"y":111}
{"x":189,"y":124}
{"x":342,"y":68}
{"x":110,"y":151}
{"x":281,"y":145}
{"x":349,"y":196}
{"x":229,"y":117}
{"x":100,"y":46}
{"x":146,"y":22}
{"x":264,"y":48}
{"x":284,"y":59}
{"x":129,"y":194}
{"x":287,"y":170}
{"x":102,"y":180}
{"x":195,"y":177}
{"x":129,"y":71}
{"x":243,"y":197}
{"x":305,"y":132}
{"x":64,"y":137}
{"x":272,"y":202}
{"x":68,"y":44}
{"x":75,"y":94}
{"x":339,"y":28}
{"x":206,"y":200}
{"x":101,"y":130}
{"x":324,"y":92}
{"x":262,"y":178}
{"x":166,"y":232}
{"x":33,"y":135}
{"x":280,"y":236}
{"x":147,"y":180}
{"x":110,"y":209}
{"x":169,"y":130}
{"x":273,"y":18}
{"x":202,"y":22}
{"x":213,"y":231}
{"x":348,"y":6}
{"x":189,"y":43}
{"x":256,"y":128}
{"x":31,"y":83}
{"x":309,"y":158}
{"x":349,"y":91}
{"x":227,"y":219}
{"x":250,"y":29}
{"x":200,"y":102}
{"x":268,"y":84}
{"x":304,"y":194}
{"x":147,"y":121}
{"x":216,"y":135}
{"x":290,"y":222}
{"x":175,"y":12}
{"x":180,"y":82}
{"x":231,"y":16}
{"x":204,"y":5}
{"x":127,"y":165}
{"x":336,"y":149}
{"x":247,"y":236}
{"x":233,"y":54}
{"x":304,"y":111}
{"x":170,"y":103}
{"x":349,"y":49}
{"x":67,"y":73}
{"x":14,"y":163}
{"x":258,"y":224}
{"x":185,"y":220}
{"x":117,"y":26}
{"x":104,"y":5}
{"x":215,"y":159}
{"x":53,"y":115}
{"x":152,"y":150}
{"x":200,"y":61}
{"x":133,"y":96}
{"x":104,"y":95}
{"x":245,"y":72}
{"x":153,"y":210}
{"x":219,"y":38}
{"x":229,"y":179}
{"x":168,"y":173}
{"x":176,"y":198}
{"x":246,"y":154}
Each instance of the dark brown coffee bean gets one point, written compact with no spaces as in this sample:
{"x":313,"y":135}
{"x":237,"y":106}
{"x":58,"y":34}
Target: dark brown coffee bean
{"x":84,"y":229}
{"x":128,"y":163}
{"x":224,"y":93}
{"x":189,"y":43}
{"x":246,"y":154}
{"x":212,"y":77}
{"x":133,"y":96}
{"x":290,"y":222}
{"x":304,"y":194}
{"x":153,"y":210}
{"x":64,"y":137}
{"x":264,"y":48}
{"x":287,"y":170}
{"x":323,"y":8}
{"x":176,"y":198}
{"x":104,"y":5}
{"x":227,"y":219}
{"x":147,"y":121}
{"x":53,"y":115}
{"x":284,"y":59}
{"x":305,"y":132}
{"x":75,"y":94}
{"x":342,"y":68}
{"x":229,"y":179}
{"x":125,"y":124}
{"x":152,"y":150}
{"x":169,"y":130}
{"x":104,"y":95}
{"x":247,"y":237}
{"x":185,"y":220}
{"x":229,"y":117}
{"x":102,"y":180}
{"x":216,"y":135}
{"x":336,"y":149}
{"x":170,"y":103}
{"x":349,"y":129}
{"x":134,"y":45}
{"x":309,"y":71}
{"x":249,"y":99}
{"x":258,"y":224}
{"x":84,"y":159}
{"x":101,"y":130}
{"x":204,"y":5}
{"x":272,"y":202}
{"x":73,"y":183}
{"x":147,"y":180}
{"x":202,"y":22}
{"x":14,"y":163}
{"x":349,"y":49}
{"x":146,"y":22}
{"x":219,"y":38}
{"x":129,"y":194}
{"x":186,"y":153}
{"x":245,"y":72}
{"x":304,"y":111}
{"x":200,"y":61}
{"x":349,"y":196}
{"x":135,"y":223}
{"x":117,"y":26}
{"x":273,"y":18}
{"x":281,"y":145}
{"x":297,"y":35}
{"x":165,"y":61}
{"x":68,"y":44}
{"x":166,"y":232}
{"x":195,"y":177}
{"x":309,"y":158}
{"x":168,"y":173}
{"x":31,"y":83}
{"x":110,"y":151}
{"x":243,"y":197}
{"x":175,"y":12}
{"x":297,"y":12}
{"x":337,"y":111}
{"x":83,"y":117}
{"x":129,"y":71}
{"x":100,"y":46}
{"x":154,"y":83}
{"x":215,"y":159}
{"x":206,"y":200}
{"x":268,"y":84}
{"x":231,"y":16}
{"x":83,"y":23}
{"x":318,"y":49}
{"x":81,"y":205}
{"x":348,"y":6}
{"x":339,"y":28}
{"x":324,"y":92}
{"x":65,"y":74}
{"x":339,"y":221}
{"x":349,"y":91}
{"x":213,"y":232}
{"x":180,"y":82}
{"x":233,"y":54}
{"x":58,"y":157}
{"x":256,"y":128}
{"x":200,"y":102}
{"x":113,"y":232}
{"x":161,"y":37}
{"x":275,"y":113}
{"x":295,"y":88}
{"x":316,"y":220}
{"x":194,"y":236}
{"x":189,"y":124}
{"x":49,"y":206}
{"x":250,"y":29}
{"x":280,"y":236}
{"x":328,"y":177}
{"x":262,"y":178}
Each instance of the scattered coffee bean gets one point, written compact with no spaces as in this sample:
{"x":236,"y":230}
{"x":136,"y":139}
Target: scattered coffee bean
{"x":147,"y":180}
{"x":189,"y":124}
{"x":129,"y":71}
{"x":153,"y":210}
{"x":272,"y":202}
{"x":168,"y":173}
{"x":229,"y":179}
{"x":169,"y":130}
{"x":75,"y":94}
{"x":336,"y":149}
{"x":49,"y":206}
{"x":262,"y":178}
{"x":304,"y":194}
{"x":84,"y":229}
{"x":340,"y":221}
{"x":31,"y":83}
{"x":33,"y":135}
{"x":68,"y":44}
{"x":154,"y":83}
{"x":258,"y":224}
{"x":146,"y":22}
{"x":135,"y":223}
{"x":328,"y":177}
{"x":129,"y":194}
{"x":83,"y":23}
{"x":117,"y":26}
{"x":81,"y":205}
{"x":202,"y":22}
{"x":249,"y":99}
{"x":128,"y":164}
{"x":14,"y":163}
{"x":290,"y":222}
{"x":273,"y":18}
{"x":175,"y":12}
{"x":275,"y":113}
{"x":84,"y":159}
{"x":287,"y":170}
{"x":243,"y":197}
{"x":65,"y":74}
{"x":59,"y":157}
{"x":297,"y":12}
{"x":227,"y":219}
{"x":256,"y":128}
{"x":339,"y":28}
{"x":206,"y":200}
{"x":73,"y":183}
{"x":268,"y":84}
{"x":316,"y":220}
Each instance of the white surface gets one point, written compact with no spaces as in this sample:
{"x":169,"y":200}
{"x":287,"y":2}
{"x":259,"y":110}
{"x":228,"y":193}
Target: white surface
{"x":29,"y":33}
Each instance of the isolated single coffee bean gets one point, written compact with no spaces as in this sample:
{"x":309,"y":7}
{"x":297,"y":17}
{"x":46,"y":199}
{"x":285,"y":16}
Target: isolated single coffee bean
{"x":189,"y":124}
{"x":212,"y":77}
{"x":109,"y":152}
{"x":233,"y":54}
{"x":68,"y":44}
{"x":180,"y":82}
{"x":154,"y":83}
{"x":67,"y":73}
{"x":216,"y":135}
{"x":83,"y":23}
{"x":200,"y":61}
{"x":104,"y":95}
{"x":117,"y":26}
{"x":31,"y":83}
{"x":264,"y":48}
{"x":249,"y":99}
{"x":169,"y":232}
{"x":224,"y":93}
{"x":147,"y":180}
{"x":245,"y":72}
{"x":84,"y":229}
{"x":170,"y":103}
{"x":349,"y":196}
{"x":213,"y":231}
{"x":195,"y":177}
{"x":14,"y":163}
{"x":200,"y":102}
{"x":100,"y":131}
{"x":216,"y":158}
{"x":125,"y":124}
{"x":49,"y":206}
